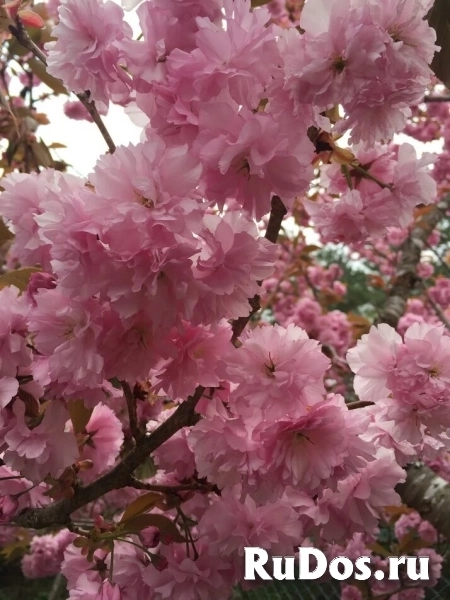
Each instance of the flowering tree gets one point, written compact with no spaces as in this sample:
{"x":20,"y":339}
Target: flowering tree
{"x":175,"y":385}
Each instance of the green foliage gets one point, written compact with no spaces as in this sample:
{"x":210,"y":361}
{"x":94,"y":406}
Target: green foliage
{"x":362,"y":297}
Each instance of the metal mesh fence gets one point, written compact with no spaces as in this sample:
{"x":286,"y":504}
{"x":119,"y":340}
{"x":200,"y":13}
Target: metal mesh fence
{"x":308,"y":590}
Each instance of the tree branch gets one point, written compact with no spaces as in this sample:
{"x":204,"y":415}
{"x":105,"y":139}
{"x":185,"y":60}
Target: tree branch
{"x":21,"y":35}
{"x":59,"y":513}
{"x":185,"y":416}
{"x":405,"y":278}
{"x":423,"y":490}
{"x":429,"y":494}
{"x":132,"y":412}
{"x":277,"y":214}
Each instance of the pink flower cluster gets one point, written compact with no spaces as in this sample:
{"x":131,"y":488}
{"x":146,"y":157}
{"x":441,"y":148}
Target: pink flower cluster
{"x":141,"y":269}
{"x":408,"y":381}
{"x":369,"y":208}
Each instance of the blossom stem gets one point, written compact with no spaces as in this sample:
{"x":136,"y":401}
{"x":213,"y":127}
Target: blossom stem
{"x":346,"y":172}
{"x":368,"y":175}
{"x":111,"y":565}
{"x":437,"y":309}
{"x":359,"y":404}
{"x":21,"y":35}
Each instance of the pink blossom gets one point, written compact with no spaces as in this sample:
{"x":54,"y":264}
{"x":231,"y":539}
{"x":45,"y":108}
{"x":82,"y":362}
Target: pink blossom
{"x":46,"y":449}
{"x":360,"y":497}
{"x":350,"y":592}
{"x":104,"y":440}
{"x":175,"y":456}
{"x":198,"y":360}
{"x":230,"y":524}
{"x":205,"y":578}
{"x":78,"y":112}
{"x":223,"y":446}
{"x":342,"y":220}
{"x":372,"y":359}
{"x":39,"y":281}
{"x":90,"y":30}
{"x":67,"y":336}
{"x":109,"y":591}
{"x":26,"y":196}
{"x":304,"y":452}
{"x":280,"y":370}
{"x":249,"y":157}
{"x":239,"y":57}
{"x":46,"y":554}
{"x":231,"y":261}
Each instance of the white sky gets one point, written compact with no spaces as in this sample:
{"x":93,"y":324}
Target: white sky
{"x":84,"y":142}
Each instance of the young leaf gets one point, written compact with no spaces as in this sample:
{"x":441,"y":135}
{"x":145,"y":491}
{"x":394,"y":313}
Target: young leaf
{"x":141,"y":505}
{"x":164,"y":525}
{"x":79,"y":415}
{"x":40,"y":71}
{"x":19,"y":278}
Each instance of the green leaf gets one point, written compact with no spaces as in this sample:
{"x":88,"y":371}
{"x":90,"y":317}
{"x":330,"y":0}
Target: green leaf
{"x":79,"y":415}
{"x":42,"y":154}
{"x":256,"y":3}
{"x":164,"y":524}
{"x":56,"y":145}
{"x":141,"y":505}
{"x":439,"y":19}
{"x":379,"y":549}
{"x":19,"y":278}
{"x":40,"y":70}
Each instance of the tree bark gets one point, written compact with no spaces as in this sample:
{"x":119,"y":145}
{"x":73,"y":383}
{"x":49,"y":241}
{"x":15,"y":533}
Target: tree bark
{"x":429,"y":494}
{"x":423,"y":490}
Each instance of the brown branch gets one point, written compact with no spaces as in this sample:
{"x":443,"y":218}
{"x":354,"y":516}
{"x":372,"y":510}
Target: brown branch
{"x":59,"y":513}
{"x":423,"y":490}
{"x":277,"y":215}
{"x":359,"y":404}
{"x":436,"y":99}
{"x":21,"y":35}
{"x":172,"y":489}
{"x":406,"y":278}
{"x":136,"y":432}
{"x":437,"y":309}
{"x":185,"y":416}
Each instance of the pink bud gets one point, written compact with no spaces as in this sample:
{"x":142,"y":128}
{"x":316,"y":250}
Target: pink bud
{"x":150,"y":537}
{"x":8,"y":508}
{"x":39,"y":281}
{"x":159,"y":562}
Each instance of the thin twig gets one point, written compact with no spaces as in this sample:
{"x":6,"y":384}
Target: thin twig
{"x":367,"y":175}
{"x":58,"y":587}
{"x":437,"y":309}
{"x":427,"y":99}
{"x":21,"y":35}
{"x":277,"y":215}
{"x":359,"y":404}
{"x":59,"y":512}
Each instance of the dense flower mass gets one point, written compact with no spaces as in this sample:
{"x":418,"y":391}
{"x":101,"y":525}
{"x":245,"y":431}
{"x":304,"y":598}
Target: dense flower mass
{"x":148,"y":408}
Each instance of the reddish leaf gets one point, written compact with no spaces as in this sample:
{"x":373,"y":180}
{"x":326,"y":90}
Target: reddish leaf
{"x":31,"y":19}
